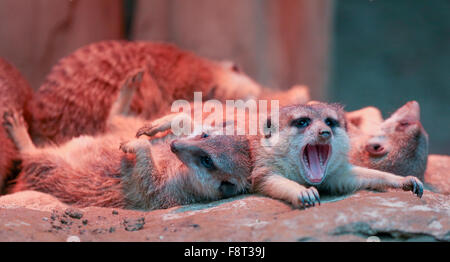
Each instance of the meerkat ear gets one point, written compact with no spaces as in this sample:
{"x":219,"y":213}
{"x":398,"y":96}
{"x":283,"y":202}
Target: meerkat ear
{"x":313,"y":102}
{"x":410,"y":111}
{"x":339,"y":108}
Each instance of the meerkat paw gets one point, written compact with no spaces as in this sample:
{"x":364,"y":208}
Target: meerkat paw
{"x":132,"y":146}
{"x":13,"y":121}
{"x":148,"y":130}
{"x":133,"y":81}
{"x":413,"y":184}
{"x":162,"y":124}
{"x":308,"y":197}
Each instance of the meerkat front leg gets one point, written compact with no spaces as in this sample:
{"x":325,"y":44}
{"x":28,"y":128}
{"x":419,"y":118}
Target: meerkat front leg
{"x":16,"y":128}
{"x":162,"y":124}
{"x":280,"y":187}
{"x":365,"y":178}
{"x":122,"y":105}
{"x":145,"y":165}
{"x":139,"y":182}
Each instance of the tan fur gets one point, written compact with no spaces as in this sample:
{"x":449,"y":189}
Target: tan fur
{"x":15,"y":92}
{"x":401,"y":140}
{"x":78,"y":93}
{"x":279,"y":171}
{"x":92,"y":171}
{"x":296,"y":95}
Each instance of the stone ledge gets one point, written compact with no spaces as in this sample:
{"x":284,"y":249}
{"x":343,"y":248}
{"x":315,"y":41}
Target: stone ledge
{"x":391,"y":216}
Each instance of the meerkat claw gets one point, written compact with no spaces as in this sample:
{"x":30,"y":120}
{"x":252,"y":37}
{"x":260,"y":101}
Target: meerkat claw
{"x":7,"y":121}
{"x":303,"y":201}
{"x":309,"y":197}
{"x":138,"y":77}
{"x":413,"y":184}
{"x":126,"y":148}
{"x":316,"y":194}
{"x":147,"y":130}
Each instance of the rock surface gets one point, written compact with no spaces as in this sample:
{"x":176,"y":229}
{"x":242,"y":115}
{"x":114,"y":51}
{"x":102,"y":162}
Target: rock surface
{"x":437,"y":174}
{"x":390,"y":216}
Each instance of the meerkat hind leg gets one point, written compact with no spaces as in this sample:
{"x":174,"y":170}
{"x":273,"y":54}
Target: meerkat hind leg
{"x":16,"y":128}
{"x":122,"y":105}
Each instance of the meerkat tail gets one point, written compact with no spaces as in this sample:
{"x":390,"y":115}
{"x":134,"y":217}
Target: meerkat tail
{"x":16,"y":128}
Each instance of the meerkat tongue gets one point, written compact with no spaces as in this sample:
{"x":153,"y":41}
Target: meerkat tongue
{"x":317,"y":156}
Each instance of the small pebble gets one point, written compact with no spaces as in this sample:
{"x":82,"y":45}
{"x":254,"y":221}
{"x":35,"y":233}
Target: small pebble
{"x":73,"y":213}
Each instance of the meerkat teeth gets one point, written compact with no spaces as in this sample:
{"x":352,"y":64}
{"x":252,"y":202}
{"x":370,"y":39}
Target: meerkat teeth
{"x":290,"y":175}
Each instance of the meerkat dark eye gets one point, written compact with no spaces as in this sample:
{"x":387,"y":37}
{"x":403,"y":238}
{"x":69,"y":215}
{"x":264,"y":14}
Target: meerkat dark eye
{"x":404,"y":123}
{"x":235,"y":68}
{"x":331,"y":122}
{"x":204,"y":135}
{"x":402,"y":126}
{"x":301,"y":122}
{"x":207,"y":162}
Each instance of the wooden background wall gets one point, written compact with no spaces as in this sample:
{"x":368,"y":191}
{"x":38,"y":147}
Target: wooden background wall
{"x":279,"y":43}
{"x":35,"y":34}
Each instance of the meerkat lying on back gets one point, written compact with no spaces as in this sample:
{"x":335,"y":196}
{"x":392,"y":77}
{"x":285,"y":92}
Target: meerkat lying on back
{"x":77,"y":95}
{"x":15,"y":92}
{"x":309,"y":154}
{"x":92,"y":171}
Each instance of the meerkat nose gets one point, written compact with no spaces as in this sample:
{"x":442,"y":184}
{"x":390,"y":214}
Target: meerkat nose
{"x":173,"y":147}
{"x":375,"y":149}
{"x":324,"y":134}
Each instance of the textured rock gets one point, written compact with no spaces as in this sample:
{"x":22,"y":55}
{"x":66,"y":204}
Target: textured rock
{"x":437,"y":174}
{"x":397,"y":216}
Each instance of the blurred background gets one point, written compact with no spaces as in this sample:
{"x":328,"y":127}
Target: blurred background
{"x":358,"y":52}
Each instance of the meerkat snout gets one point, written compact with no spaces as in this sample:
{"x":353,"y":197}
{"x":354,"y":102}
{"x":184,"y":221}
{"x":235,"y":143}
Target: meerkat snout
{"x":377,"y":147}
{"x":228,"y":189}
{"x":173,"y":147}
{"x":324,"y":135}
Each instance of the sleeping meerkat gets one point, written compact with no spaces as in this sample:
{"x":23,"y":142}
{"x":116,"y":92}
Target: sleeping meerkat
{"x":77,"y":95}
{"x":309,"y":154}
{"x":397,"y":145}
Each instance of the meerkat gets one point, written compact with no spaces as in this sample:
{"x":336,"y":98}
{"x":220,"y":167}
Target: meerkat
{"x":397,"y":145}
{"x":77,"y":95}
{"x":309,"y":154}
{"x":92,"y":171}
{"x":15,"y":92}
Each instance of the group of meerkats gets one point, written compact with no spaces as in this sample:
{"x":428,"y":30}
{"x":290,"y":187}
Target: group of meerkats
{"x":97,"y":133}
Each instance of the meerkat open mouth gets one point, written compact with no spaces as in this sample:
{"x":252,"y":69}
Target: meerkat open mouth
{"x":315,"y":160}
